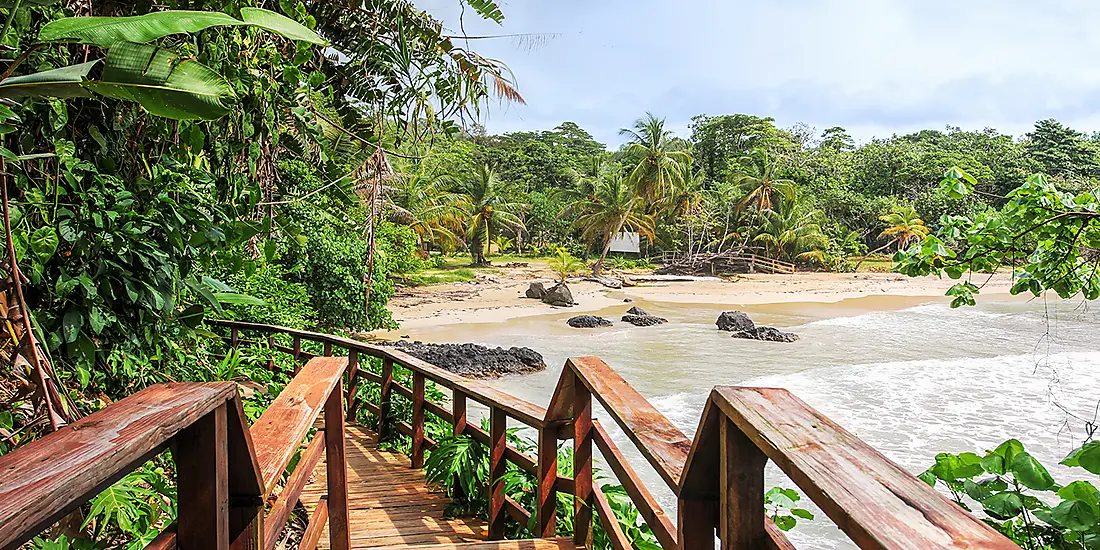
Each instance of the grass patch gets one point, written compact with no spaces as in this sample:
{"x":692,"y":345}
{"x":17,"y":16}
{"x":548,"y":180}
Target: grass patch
{"x":440,"y":276}
{"x":878,"y":264}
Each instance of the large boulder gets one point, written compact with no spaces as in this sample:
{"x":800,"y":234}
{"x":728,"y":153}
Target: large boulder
{"x":735,"y":321}
{"x":536,"y":290}
{"x":559,"y":295}
{"x":742,"y":327}
{"x":588,"y":321}
{"x":643,"y":320}
{"x":636,"y":311}
{"x":472,"y":360}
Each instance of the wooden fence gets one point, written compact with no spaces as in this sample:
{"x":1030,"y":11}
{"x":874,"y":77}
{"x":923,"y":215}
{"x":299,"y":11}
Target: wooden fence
{"x":718,"y":478}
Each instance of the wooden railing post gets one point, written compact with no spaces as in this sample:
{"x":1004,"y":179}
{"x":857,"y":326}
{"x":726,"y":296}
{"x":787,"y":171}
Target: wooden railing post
{"x":696,"y":523}
{"x":498,"y":439}
{"x":458,"y":416}
{"x":741,"y":486}
{"x":271,"y":348}
{"x":546,"y":504}
{"x":384,"y":398}
{"x":234,"y":337}
{"x":353,"y":384}
{"x":201,"y":453}
{"x":337,"y":470}
{"x":585,"y":500}
{"x":297,"y":353}
{"x":418,"y":421}
{"x":328,"y":349}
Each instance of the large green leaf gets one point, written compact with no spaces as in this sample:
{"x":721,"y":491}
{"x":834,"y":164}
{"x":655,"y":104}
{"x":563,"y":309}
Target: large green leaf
{"x":62,"y":82}
{"x":164,"y":83}
{"x":105,"y":31}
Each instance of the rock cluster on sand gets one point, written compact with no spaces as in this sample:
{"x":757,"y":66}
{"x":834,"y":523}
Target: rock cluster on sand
{"x":588,"y":321}
{"x":644,"y":320}
{"x":742,"y":327}
{"x":473,"y":360}
{"x":640,"y":318}
{"x":558,"y":295}
{"x":536,"y":290}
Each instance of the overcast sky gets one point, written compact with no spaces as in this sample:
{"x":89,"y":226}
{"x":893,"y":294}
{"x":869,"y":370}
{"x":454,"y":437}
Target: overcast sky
{"x":875,"y":67}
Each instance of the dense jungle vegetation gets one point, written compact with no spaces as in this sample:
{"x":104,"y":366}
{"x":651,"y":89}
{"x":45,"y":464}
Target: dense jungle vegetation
{"x":287,"y":164}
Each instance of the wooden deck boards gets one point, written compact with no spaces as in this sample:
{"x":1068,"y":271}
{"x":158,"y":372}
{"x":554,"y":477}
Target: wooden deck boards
{"x":389,"y":502}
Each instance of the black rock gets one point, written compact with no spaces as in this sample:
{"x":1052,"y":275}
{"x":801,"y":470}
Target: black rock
{"x":559,"y":295}
{"x":536,"y":291}
{"x":767,"y":334}
{"x":627,"y":300}
{"x":643,"y":320}
{"x":588,"y":321}
{"x":636,"y":311}
{"x":735,"y":321}
{"x":742,"y":327}
{"x":472,"y":360}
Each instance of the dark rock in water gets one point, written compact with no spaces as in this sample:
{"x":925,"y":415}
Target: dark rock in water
{"x":643,"y":320}
{"x":536,"y":291}
{"x":636,"y":311}
{"x":767,"y":334}
{"x":559,"y":295}
{"x":472,"y":360}
{"x":742,"y":327}
{"x":735,"y":321}
{"x":627,"y":300}
{"x":588,"y":321}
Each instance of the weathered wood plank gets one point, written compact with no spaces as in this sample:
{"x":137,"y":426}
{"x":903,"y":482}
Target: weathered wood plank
{"x":279,"y":431}
{"x":201,"y":454}
{"x":647,"y":505}
{"x":417,"y":450}
{"x":611,"y":527}
{"x":872,"y":499}
{"x":546,"y":501}
{"x":336,"y":470}
{"x":584,"y":499}
{"x":288,"y":498}
{"x":498,"y":423}
{"x":529,"y":544}
{"x":46,"y":479}
{"x":660,"y":442}
{"x":316,"y":526}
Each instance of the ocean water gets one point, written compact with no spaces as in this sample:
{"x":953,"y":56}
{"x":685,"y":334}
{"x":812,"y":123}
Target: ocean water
{"x":912,"y":377}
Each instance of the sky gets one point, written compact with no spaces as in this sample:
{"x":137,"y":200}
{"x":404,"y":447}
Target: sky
{"x":874,"y":67}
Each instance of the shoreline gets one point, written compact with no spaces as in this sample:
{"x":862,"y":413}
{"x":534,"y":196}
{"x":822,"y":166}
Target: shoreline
{"x":500,"y":298}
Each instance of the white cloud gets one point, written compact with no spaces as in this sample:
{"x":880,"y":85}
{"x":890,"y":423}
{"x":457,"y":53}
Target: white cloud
{"x":874,"y":66}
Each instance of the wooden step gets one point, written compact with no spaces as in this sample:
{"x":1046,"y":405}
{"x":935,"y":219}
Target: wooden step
{"x":526,"y":544}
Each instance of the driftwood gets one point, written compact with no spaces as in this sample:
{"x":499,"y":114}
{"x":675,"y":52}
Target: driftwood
{"x":741,"y":261}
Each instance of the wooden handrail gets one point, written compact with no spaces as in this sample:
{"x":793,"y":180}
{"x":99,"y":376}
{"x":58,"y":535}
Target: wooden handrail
{"x":873,"y":500}
{"x":46,"y":479}
{"x":718,"y":477}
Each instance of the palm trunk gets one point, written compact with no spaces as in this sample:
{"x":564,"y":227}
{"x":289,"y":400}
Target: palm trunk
{"x":607,"y":248}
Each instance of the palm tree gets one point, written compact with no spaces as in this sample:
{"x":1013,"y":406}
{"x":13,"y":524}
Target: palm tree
{"x":791,"y":231}
{"x":478,"y":209}
{"x":563,"y":264}
{"x":760,"y":182}
{"x":414,"y":200}
{"x":904,"y":227}
{"x":685,"y":202}
{"x":612,"y":207}
{"x":662,"y":160}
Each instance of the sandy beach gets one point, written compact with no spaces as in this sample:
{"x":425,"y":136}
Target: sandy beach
{"x":500,"y":296}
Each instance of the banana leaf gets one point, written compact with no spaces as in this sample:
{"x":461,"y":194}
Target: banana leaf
{"x":164,"y":83}
{"x":105,"y":31}
{"x":61,"y":82}
{"x":161,"y":81}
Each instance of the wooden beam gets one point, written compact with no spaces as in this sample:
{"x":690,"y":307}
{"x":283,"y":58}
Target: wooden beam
{"x":648,"y":508}
{"x":584,"y":500}
{"x":498,"y":432}
{"x":741,"y":490}
{"x":288,"y":498}
{"x":316,"y":526}
{"x":201,"y":454}
{"x":353,"y":384}
{"x":696,"y":519}
{"x":610,"y":523}
{"x":46,"y":479}
{"x":385,"y":397}
{"x":417,"y":450}
{"x":336,"y":470}
{"x":546,"y":501}
{"x":279,"y":431}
